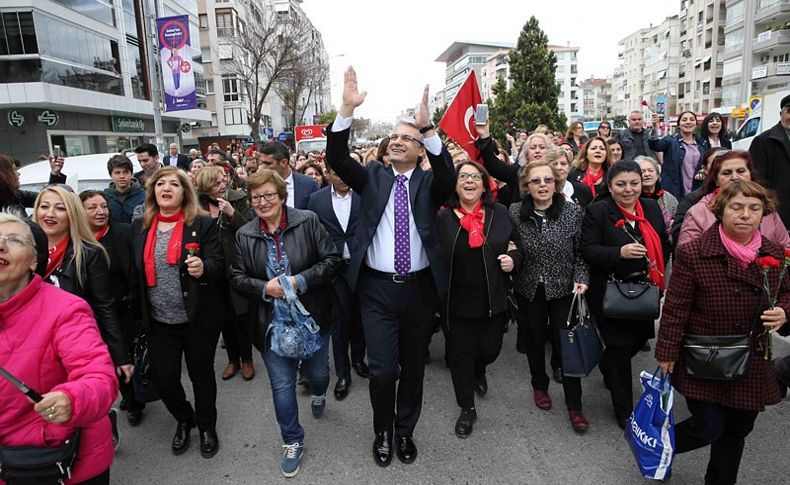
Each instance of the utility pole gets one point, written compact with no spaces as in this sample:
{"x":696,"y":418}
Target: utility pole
{"x":153,"y":70}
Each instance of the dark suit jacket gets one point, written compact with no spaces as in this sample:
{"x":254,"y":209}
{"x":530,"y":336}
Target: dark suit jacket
{"x":321,"y":204}
{"x":304,"y":186}
{"x":182,"y":163}
{"x":200,"y":297}
{"x":770,"y":152}
{"x":428,"y":190}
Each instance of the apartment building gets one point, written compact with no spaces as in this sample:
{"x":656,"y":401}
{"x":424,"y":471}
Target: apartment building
{"x":596,"y":96}
{"x":628,"y":76}
{"x":220,"y":22}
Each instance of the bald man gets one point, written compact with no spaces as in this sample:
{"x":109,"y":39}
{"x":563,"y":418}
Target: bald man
{"x":175,"y":159}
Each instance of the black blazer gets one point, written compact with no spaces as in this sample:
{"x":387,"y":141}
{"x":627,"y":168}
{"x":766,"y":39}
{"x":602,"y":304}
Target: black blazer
{"x":770,"y":152}
{"x":428,"y":190}
{"x":182,"y":162}
{"x":123,"y":273}
{"x":504,"y":172}
{"x":575,"y":177}
{"x":97,"y":291}
{"x":200,"y":296}
{"x":321,"y":204}
{"x":304,"y":187}
{"x":582,"y":194}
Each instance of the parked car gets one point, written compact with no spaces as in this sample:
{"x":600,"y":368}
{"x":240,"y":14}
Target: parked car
{"x":83,"y":172}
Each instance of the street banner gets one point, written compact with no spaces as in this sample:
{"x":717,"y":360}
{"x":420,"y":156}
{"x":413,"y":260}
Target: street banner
{"x":459,"y":119}
{"x":176,"y":63}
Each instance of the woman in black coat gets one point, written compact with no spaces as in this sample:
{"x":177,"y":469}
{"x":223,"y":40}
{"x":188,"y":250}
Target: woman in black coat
{"x":178,"y":261}
{"x":610,"y":230}
{"x":474,"y":232}
{"x":116,"y":238}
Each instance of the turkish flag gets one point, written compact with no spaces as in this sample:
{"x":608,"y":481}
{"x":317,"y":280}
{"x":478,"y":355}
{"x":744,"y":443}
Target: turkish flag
{"x":459,"y":119}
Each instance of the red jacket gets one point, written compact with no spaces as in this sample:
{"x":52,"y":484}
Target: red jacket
{"x":50,"y":341}
{"x":710,"y":293}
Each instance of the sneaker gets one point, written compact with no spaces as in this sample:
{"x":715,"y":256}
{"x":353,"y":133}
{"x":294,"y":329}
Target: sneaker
{"x":116,"y":438}
{"x":542,"y":400}
{"x":578,"y":421}
{"x":317,"y":405}
{"x":292,"y":456}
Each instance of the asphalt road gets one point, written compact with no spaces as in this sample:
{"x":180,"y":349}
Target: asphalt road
{"x":513,"y":440}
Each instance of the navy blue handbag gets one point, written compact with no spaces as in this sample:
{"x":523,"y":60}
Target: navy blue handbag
{"x":581,"y":343}
{"x":294,"y":333}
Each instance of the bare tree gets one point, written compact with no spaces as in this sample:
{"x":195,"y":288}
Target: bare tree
{"x":263,"y":55}
{"x":305,"y":82}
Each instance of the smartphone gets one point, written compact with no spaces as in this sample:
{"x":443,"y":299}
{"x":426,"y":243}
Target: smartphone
{"x":58,"y":153}
{"x":481,"y":114}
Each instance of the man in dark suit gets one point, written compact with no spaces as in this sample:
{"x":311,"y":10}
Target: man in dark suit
{"x":337,"y":207}
{"x":396,"y":267}
{"x":175,"y":159}
{"x":770,"y":151}
{"x":275,"y":156}
{"x":148,"y":158}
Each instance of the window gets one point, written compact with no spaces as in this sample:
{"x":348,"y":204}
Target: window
{"x":205,"y":54}
{"x":203,"y":21}
{"x":234,"y":116}
{"x":732,"y":67}
{"x":209,"y":86}
{"x":733,"y":41}
{"x":138,"y":77}
{"x":230,"y":87}
{"x":224,"y":23}
{"x":735,"y":13}
{"x":17,"y":33}
{"x":101,"y":10}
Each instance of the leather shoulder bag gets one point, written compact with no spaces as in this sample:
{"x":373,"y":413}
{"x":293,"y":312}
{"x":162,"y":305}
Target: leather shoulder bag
{"x":716,"y":357}
{"x":631,"y":300}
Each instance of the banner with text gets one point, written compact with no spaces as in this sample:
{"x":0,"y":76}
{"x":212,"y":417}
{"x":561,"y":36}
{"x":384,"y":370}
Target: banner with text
{"x":176,"y":63}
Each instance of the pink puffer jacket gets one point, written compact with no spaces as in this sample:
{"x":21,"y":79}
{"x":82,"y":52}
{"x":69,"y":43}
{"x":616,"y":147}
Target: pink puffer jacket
{"x":50,"y":341}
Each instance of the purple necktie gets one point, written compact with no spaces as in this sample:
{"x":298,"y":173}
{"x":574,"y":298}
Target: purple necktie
{"x":402,"y":253}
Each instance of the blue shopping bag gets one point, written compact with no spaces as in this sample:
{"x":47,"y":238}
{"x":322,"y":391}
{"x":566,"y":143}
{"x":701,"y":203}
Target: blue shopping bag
{"x":650,"y":431}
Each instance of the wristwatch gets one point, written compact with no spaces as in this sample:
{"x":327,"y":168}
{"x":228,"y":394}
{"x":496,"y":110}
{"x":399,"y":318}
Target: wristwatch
{"x":426,"y":129}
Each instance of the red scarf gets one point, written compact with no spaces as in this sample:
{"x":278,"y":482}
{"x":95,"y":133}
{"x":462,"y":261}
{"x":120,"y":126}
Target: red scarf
{"x":590,"y":179}
{"x":173,"y":246}
{"x":102,"y":232}
{"x":473,"y":223}
{"x":652,"y":243}
{"x":494,"y":189}
{"x":56,"y":255}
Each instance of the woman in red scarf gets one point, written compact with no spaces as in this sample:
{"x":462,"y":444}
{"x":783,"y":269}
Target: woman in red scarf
{"x":178,"y":261}
{"x":474,"y":232}
{"x":624,"y":237}
{"x":591,"y":165}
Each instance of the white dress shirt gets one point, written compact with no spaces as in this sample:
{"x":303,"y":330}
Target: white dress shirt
{"x":341,"y":204}
{"x":568,"y":191}
{"x":381,"y":252}
{"x":289,"y":185}
{"x":173,"y":160}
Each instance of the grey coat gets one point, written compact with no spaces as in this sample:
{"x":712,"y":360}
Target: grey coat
{"x":552,"y":253}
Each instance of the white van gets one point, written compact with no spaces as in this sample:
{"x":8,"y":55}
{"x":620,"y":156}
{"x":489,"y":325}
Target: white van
{"x":763,"y":118}
{"x":82,"y":173}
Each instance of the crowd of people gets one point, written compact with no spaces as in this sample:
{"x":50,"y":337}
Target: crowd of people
{"x":380,"y":248}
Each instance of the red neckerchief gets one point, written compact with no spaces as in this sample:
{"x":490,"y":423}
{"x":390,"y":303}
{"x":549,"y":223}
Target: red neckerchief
{"x":173,"y":246}
{"x":56,"y":255}
{"x":102,"y":232}
{"x":590,"y":179}
{"x":655,"y":255}
{"x":494,"y":189}
{"x":276,"y":234}
{"x":473,"y":223}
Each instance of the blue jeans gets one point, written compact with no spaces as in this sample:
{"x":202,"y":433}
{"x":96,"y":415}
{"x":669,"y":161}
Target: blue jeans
{"x":282,"y":376}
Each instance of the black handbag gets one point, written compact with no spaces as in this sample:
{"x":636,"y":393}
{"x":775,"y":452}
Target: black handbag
{"x":144,"y":390}
{"x":581,"y":344}
{"x":33,"y":465}
{"x":716,"y":357}
{"x":631,"y":300}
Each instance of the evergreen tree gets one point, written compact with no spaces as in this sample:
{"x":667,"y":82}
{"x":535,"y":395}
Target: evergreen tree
{"x":533,"y":96}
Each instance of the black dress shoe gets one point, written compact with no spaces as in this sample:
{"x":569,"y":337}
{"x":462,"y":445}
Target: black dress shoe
{"x":405,"y":449}
{"x":134,"y":417}
{"x":557,"y":375}
{"x":361,"y":368}
{"x":481,"y":386}
{"x":181,"y":438}
{"x":209,"y":443}
{"x":382,"y":448}
{"x":341,"y":388}
{"x":463,"y":427}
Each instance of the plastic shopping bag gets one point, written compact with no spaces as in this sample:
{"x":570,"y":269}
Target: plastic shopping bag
{"x":650,"y":431}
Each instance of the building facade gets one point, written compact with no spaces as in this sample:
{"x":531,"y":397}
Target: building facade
{"x":565,"y":74}
{"x":596,"y":99}
{"x":223,"y":20}
{"x":74,"y":74}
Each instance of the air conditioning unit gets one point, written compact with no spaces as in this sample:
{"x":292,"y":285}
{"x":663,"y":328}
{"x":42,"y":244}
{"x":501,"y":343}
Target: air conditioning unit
{"x":686,"y":53}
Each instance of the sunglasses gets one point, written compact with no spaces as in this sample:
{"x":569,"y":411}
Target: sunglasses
{"x":544,"y":180}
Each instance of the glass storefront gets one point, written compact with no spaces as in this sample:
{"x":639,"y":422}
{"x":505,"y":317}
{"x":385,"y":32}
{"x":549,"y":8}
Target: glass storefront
{"x":75,"y":144}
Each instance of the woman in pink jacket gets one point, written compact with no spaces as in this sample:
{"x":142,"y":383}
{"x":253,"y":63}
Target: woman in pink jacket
{"x":49,"y":340}
{"x":727,"y":167}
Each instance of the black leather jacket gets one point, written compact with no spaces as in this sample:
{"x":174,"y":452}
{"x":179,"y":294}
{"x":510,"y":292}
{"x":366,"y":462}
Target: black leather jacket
{"x":98,"y":292}
{"x":311,"y":254}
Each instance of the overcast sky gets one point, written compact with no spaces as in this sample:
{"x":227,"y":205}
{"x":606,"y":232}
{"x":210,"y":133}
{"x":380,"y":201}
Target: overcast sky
{"x":393,"y":45}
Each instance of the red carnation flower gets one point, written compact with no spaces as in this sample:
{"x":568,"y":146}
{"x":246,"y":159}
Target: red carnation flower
{"x":644,"y":102}
{"x":619,"y":224}
{"x":767,"y":262}
{"x":192,"y":248}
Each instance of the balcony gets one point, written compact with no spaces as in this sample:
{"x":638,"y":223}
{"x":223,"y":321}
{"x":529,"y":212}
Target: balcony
{"x":772,"y":11}
{"x":771,"y":69}
{"x":227,"y":32}
{"x":767,"y":41}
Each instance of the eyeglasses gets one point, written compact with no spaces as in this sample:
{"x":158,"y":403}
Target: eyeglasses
{"x":405,"y":138}
{"x":544,"y":180}
{"x":463,"y":177}
{"x":268,"y":197}
{"x":16,"y":242}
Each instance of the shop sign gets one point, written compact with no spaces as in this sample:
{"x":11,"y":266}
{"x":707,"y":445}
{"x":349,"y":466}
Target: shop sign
{"x":128,"y":125}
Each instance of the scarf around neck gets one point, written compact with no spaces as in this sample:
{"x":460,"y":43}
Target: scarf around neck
{"x":744,"y":254}
{"x":473,"y":223}
{"x":56,"y":255}
{"x":655,"y":254}
{"x":173,"y":245}
{"x":591,"y":180}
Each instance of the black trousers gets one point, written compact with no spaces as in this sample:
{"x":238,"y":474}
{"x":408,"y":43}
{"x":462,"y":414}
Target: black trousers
{"x":397,"y":319}
{"x":101,"y":479}
{"x":235,"y":329}
{"x":724,"y":429}
{"x":347,"y":330}
{"x":540,"y":313}
{"x":616,"y":368}
{"x":473,"y":344}
{"x":129,"y":326}
{"x":166,"y":344}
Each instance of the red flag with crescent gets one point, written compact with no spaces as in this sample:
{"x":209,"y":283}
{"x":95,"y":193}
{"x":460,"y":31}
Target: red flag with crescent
{"x":459,"y":119}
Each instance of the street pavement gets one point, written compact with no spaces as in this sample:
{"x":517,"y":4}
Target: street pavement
{"x":513,"y":441}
